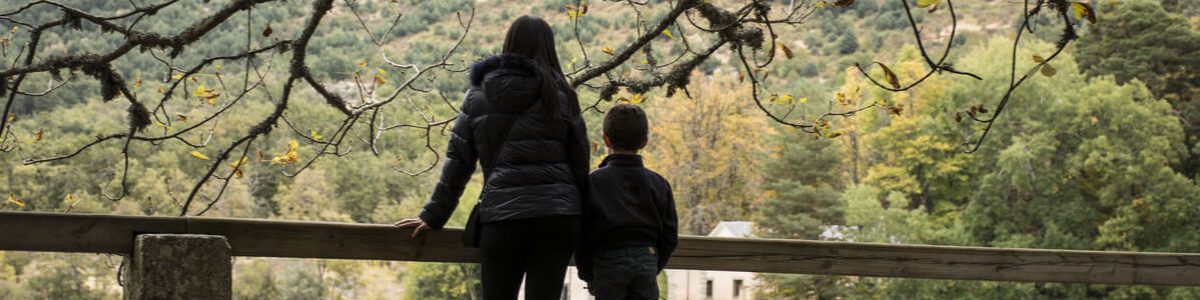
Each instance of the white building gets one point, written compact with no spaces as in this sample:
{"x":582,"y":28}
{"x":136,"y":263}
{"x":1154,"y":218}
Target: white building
{"x":714,"y":285}
{"x":691,"y":284}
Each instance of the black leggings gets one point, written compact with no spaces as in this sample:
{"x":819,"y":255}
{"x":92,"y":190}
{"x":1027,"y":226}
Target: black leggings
{"x":537,"y":249}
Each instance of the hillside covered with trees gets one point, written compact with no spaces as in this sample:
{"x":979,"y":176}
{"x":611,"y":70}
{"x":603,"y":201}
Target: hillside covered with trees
{"x":1099,"y":149}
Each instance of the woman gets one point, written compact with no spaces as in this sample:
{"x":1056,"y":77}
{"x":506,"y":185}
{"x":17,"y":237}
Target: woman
{"x":534,"y":182}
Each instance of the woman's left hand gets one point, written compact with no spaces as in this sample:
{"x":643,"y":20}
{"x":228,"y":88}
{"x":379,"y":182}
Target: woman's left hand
{"x":417,"y":225}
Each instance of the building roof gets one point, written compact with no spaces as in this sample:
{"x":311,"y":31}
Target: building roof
{"x":738,"y":229}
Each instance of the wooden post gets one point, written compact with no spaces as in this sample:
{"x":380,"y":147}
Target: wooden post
{"x":180,"y":266}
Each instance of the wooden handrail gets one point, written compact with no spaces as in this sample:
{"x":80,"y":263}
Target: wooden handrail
{"x":93,"y":233}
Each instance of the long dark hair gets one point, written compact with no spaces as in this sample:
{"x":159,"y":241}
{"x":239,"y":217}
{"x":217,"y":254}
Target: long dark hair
{"x":531,"y":37}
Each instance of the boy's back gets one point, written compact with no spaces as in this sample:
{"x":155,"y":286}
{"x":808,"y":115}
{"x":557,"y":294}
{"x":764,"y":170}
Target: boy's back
{"x":629,"y":224}
{"x":630,"y":206}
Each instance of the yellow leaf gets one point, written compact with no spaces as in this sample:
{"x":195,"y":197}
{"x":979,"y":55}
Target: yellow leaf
{"x":1083,"y":10}
{"x":177,"y":76}
{"x":636,"y":99}
{"x":607,"y":50}
{"x":575,"y":12}
{"x":834,"y":134}
{"x":803,"y":100}
{"x":199,"y":155}
{"x":137,"y":83}
{"x":70,"y":198}
{"x":821,"y":4}
{"x":379,"y":76}
{"x":787,"y":52}
{"x":1095,"y":120}
{"x":889,"y":76}
{"x":200,"y":91}
{"x":13,"y":199}
{"x":667,"y":32}
{"x":315,"y":136}
{"x":236,"y":167}
{"x":37,"y":137}
{"x":161,"y":90}
{"x":927,"y":3}
{"x":288,"y":157}
{"x":783,"y":99}
{"x":1038,"y":58}
{"x":14,"y":29}
{"x":362,"y":64}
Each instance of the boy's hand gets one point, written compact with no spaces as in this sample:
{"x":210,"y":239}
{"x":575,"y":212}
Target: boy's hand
{"x":416,"y":224}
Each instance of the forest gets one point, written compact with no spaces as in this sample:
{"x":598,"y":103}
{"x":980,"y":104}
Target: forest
{"x":1098,"y":150}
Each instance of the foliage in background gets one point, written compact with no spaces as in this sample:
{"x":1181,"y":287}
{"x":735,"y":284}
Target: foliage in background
{"x":1090,"y":158}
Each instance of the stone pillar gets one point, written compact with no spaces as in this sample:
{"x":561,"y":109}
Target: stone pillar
{"x":180,"y":266}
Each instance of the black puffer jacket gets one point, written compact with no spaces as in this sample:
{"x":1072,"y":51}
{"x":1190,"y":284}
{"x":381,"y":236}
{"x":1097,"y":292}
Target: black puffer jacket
{"x":542,"y":169}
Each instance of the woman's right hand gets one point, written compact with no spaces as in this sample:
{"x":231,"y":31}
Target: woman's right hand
{"x":417,"y":225}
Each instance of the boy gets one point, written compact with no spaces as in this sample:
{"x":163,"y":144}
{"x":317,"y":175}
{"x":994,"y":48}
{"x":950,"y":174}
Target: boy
{"x":629,"y":225}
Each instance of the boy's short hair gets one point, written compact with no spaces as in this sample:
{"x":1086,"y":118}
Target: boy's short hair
{"x":626,"y":127}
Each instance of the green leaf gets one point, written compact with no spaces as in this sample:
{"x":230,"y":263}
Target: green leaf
{"x":1049,"y":70}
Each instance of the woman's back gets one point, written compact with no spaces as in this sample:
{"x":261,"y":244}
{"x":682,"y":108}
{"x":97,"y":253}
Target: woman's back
{"x":533,"y":175}
{"x":521,"y":121}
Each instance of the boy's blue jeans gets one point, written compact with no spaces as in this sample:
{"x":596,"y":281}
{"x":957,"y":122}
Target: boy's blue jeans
{"x":625,"y":273}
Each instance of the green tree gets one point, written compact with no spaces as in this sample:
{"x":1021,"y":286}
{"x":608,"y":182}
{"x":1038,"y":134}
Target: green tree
{"x":800,"y":201}
{"x":800,"y":188}
{"x":1146,"y":42}
{"x":848,"y":43}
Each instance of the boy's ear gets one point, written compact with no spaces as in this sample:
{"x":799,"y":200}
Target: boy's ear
{"x":606,"y":142}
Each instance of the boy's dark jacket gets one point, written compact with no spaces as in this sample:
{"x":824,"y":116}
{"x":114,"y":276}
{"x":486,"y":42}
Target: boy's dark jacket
{"x":541,"y":171}
{"x":629,"y":206}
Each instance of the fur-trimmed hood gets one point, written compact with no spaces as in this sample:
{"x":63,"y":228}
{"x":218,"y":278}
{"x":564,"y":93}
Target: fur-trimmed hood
{"x":500,"y":62}
{"x":508,"y":82}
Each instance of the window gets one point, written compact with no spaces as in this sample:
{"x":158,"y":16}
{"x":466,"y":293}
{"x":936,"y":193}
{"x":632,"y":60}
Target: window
{"x":708,"y":288}
{"x":737,"y":288}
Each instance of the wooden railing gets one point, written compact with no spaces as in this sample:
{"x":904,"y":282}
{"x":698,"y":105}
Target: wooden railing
{"x":90,"y":233}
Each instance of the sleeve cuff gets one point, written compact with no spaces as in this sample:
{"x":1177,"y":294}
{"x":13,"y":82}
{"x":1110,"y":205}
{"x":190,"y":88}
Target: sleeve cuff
{"x":432,"y":221}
